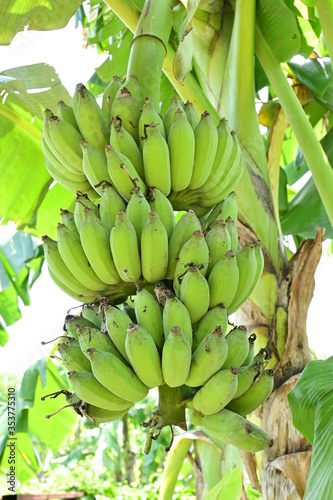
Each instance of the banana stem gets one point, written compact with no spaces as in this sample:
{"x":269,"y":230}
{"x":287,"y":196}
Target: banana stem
{"x":311,"y":148}
{"x":325,"y":13}
{"x":171,"y":407}
{"x":190,"y":90}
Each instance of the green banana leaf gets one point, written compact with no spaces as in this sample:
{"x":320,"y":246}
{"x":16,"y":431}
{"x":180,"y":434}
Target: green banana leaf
{"x":40,"y":379}
{"x":311,"y":402}
{"x":37,"y":14}
{"x":21,"y":260}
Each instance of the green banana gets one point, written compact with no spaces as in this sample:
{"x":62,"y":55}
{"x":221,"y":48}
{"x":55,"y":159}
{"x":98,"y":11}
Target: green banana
{"x":72,"y":322}
{"x":132,"y":85}
{"x":176,"y":358}
{"x":194,"y":251}
{"x":257,"y":440}
{"x":94,"y":313}
{"x":208,"y":358}
{"x":247,"y":266}
{"x":223,"y":280}
{"x":238,"y":347}
{"x":124,"y":142}
{"x":72,"y":253}
{"x":246,"y":376}
{"x":80,"y":297}
{"x":125,"y":107}
{"x":181,"y":147}
{"x":149,"y":314}
{"x":191,"y":114}
{"x":123,"y":173}
{"x":183,"y":231}
{"x":116,"y":323}
{"x":82,"y":185}
{"x":218,"y":242}
{"x":194,"y":417}
{"x":143,"y":355}
{"x":260,"y":265}
{"x":206,"y":140}
{"x":161,"y":204}
{"x":94,"y":166}
{"x":100,"y":415}
{"x":66,"y":140}
{"x":227,"y":426}
{"x":89,"y":390}
{"x":194,"y":293}
{"x":125,"y":248}
{"x":226,"y":208}
{"x":96,"y":245}
{"x":249,"y":358}
{"x":116,"y":376}
{"x":93,"y":337}
{"x":82,"y":201}
{"x":217,"y":392}
{"x":257,"y":393}
{"x":176,"y":314}
{"x":137,"y":211}
{"x":149,"y":115}
{"x":67,"y":218}
{"x":156,"y":159}
{"x":73,"y":358}
{"x":217,"y":316}
{"x":111,"y":203}
{"x":231,"y":226}
{"x":154,"y":249}
{"x":109,"y":95}
{"x":90,"y":118}
{"x":169,"y":114}
{"x":58,"y":267}
{"x":221,"y":160}
{"x":66,"y":113}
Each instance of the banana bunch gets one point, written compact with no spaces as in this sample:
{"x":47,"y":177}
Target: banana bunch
{"x":188,"y":159}
{"x":115,"y":355}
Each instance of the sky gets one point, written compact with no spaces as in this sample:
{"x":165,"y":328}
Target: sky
{"x":43,"y":320}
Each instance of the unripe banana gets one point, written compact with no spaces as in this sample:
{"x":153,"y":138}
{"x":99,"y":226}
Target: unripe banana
{"x":246,"y":376}
{"x":94,"y":166}
{"x":191,"y":114}
{"x":208,"y":358}
{"x":149,"y":115}
{"x":181,"y":146}
{"x":73,"y":322}
{"x":217,"y":392}
{"x":87,"y":388}
{"x":109,"y":94}
{"x":149,"y":315}
{"x":96,"y":245}
{"x":261,"y":357}
{"x":132,"y":85}
{"x":116,"y":376}
{"x":213,"y":318}
{"x":156,"y":159}
{"x":249,"y":358}
{"x":169,"y":114}
{"x":176,"y":314}
{"x":90,"y":118}
{"x":58,"y":267}
{"x":238,"y":347}
{"x":221,"y":160}
{"x":90,"y":337}
{"x":194,"y":417}
{"x":176,"y":358}
{"x":257,"y":393}
{"x":111,"y":203}
{"x":73,"y":358}
{"x":226,"y":208}
{"x":143,"y":355}
{"x":66,"y":113}
{"x":206,"y":140}
{"x":67,"y":218}
{"x":218,"y":242}
{"x":194,"y":252}
{"x":232,"y":230}
{"x":223,"y":280}
{"x":72,"y":253}
{"x":94,"y":313}
{"x":247,"y":266}
{"x":66,"y":140}
{"x":257,"y":440}
{"x":125,"y":248}
{"x":137,"y":211}
{"x":68,"y":183}
{"x":183,"y":231}
{"x":116,"y":323}
{"x":154,"y":249}
{"x":82,"y":201}
{"x":99,"y":415}
{"x":260,"y":265}
{"x":125,"y":107}
{"x":124,"y":142}
{"x":123,"y":173}
{"x":194,"y":293}
{"x":80,"y":297}
{"x":161,"y":204}
{"x":227,"y":426}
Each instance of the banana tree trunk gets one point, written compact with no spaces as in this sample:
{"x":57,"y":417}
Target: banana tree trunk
{"x":285,"y":466}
